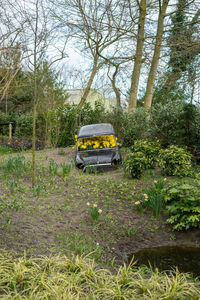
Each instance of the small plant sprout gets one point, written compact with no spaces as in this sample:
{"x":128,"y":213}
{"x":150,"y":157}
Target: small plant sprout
{"x":138,"y":206}
{"x":66,"y":168}
{"x":61,"y":152}
{"x":94,"y":211}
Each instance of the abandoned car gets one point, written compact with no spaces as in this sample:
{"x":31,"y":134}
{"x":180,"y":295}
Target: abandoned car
{"x":97,"y":146}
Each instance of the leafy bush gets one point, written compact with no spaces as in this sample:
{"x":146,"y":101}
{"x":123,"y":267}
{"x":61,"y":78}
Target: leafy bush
{"x":175,"y":161}
{"x":183,"y":205}
{"x":89,"y":115}
{"x":117,"y":117}
{"x":68,"y":117}
{"x":135,"y":163}
{"x":175,"y":123}
{"x":149,"y":148}
{"x":24,"y":125}
{"x":134,"y":127}
{"x":7,"y":118}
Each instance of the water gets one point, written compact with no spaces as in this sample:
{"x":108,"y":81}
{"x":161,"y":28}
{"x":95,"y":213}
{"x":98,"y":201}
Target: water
{"x":187,"y":259}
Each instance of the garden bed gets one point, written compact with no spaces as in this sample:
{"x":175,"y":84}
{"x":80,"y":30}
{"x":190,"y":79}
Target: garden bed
{"x":54,"y":217}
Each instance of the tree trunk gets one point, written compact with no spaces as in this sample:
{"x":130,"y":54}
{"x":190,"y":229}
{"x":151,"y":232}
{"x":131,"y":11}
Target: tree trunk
{"x":154,"y":65}
{"x":193,"y":86}
{"x":138,"y":58}
{"x":33,"y":143}
{"x":35,"y":96}
{"x":116,"y":90}
{"x":87,"y":89}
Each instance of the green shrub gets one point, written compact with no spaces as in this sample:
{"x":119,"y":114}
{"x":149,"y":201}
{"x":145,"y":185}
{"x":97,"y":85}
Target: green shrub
{"x":134,"y":127}
{"x":175,"y":161}
{"x":117,"y":118}
{"x":183,"y":205}
{"x":134,"y":164}
{"x":24,"y":125}
{"x":165,"y":123}
{"x":68,"y":125}
{"x":89,"y":115}
{"x":149,"y":148}
{"x":175,"y":123}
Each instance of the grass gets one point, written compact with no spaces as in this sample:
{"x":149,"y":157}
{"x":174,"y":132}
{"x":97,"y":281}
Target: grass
{"x":59,"y":277}
{"x":53,"y":218}
{"x":5,"y":150}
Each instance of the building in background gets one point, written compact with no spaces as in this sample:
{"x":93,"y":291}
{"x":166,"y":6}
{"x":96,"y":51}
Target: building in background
{"x":109,"y":103}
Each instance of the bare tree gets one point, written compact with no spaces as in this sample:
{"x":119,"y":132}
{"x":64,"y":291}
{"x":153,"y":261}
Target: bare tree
{"x":97,"y":27}
{"x":37,"y":38}
{"x":11,"y":51}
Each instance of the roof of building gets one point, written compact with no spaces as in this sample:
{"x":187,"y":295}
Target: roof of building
{"x":109,"y":103}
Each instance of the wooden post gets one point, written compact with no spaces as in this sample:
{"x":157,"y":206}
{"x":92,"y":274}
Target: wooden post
{"x":10,"y":131}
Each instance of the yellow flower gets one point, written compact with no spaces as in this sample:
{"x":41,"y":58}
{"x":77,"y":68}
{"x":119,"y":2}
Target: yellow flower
{"x":145,"y":195}
{"x":99,"y":211}
{"x":94,"y":205}
{"x":80,"y":142}
{"x":137,"y":202}
{"x":165,"y":179}
{"x":88,"y":203}
{"x":73,"y":147}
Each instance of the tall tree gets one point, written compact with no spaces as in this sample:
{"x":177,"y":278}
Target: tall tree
{"x":138,"y":57}
{"x":184,"y":45}
{"x":154,"y":64}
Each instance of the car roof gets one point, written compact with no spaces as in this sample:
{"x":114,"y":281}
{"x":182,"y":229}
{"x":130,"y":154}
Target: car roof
{"x":96,"y":130}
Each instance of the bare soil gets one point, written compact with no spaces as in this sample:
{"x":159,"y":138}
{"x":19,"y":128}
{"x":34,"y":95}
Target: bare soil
{"x":58,"y":220}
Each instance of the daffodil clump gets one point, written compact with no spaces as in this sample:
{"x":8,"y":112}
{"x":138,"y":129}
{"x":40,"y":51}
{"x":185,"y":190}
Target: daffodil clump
{"x":153,"y":198}
{"x":96,"y":142}
{"x":94,"y":211}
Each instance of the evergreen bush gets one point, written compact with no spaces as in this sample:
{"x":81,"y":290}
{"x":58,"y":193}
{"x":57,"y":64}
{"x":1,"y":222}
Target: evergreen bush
{"x":183,"y":205}
{"x":149,"y":148}
{"x":175,"y":161}
{"x":24,"y":125}
{"x":175,"y":123}
{"x":134,"y":127}
{"x":135,"y":163}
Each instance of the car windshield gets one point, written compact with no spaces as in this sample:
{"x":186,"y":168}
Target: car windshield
{"x":96,"y":142}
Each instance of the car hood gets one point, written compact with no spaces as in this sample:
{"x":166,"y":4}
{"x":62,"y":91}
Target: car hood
{"x":100,"y":156}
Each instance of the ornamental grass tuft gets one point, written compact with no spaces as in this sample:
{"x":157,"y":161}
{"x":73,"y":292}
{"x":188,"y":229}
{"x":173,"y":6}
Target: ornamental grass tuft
{"x":78,"y":278}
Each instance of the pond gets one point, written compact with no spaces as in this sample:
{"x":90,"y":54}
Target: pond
{"x":186,"y":259}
